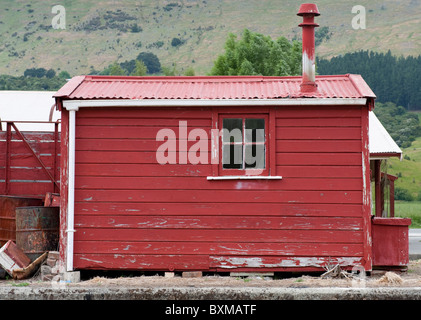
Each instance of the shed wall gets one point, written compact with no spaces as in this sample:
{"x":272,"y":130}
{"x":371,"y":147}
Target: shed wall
{"x":133,"y":213}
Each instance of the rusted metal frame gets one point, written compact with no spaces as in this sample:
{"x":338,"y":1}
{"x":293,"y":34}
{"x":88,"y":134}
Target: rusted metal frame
{"x":8,"y":157}
{"x":26,"y":143}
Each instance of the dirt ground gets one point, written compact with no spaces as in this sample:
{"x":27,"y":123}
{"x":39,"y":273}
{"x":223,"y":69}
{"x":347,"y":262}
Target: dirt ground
{"x":409,"y":278}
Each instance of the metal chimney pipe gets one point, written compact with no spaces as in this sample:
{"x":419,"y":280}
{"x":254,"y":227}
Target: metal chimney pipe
{"x":308,"y":11}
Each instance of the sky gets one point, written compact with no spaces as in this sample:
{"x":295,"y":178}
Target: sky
{"x":28,"y":106}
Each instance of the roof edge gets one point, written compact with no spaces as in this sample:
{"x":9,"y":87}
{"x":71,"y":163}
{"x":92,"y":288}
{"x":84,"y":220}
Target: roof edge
{"x":361,"y":86}
{"x":69,"y":87}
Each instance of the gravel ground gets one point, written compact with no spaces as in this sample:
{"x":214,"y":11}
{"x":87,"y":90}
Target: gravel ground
{"x":409,"y":278}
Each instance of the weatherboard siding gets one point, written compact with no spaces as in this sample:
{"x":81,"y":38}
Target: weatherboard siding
{"x":134,"y":213}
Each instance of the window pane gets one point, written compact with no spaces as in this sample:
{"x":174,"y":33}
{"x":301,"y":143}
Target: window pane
{"x":232,"y":156}
{"x":255,"y":130}
{"x":255,"y":156}
{"x":232,"y":130}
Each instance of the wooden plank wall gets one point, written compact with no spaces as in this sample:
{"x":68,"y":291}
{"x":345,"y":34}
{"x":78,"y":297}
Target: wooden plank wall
{"x":133,"y":213}
{"x":27,"y":178}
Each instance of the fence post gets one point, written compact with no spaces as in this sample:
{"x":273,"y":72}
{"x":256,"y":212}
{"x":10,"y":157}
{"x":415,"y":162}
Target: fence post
{"x":8,"y":157}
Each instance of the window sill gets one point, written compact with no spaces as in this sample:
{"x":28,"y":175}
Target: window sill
{"x":245,"y":178}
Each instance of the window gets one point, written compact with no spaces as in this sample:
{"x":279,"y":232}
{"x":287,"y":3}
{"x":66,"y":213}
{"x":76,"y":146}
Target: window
{"x":244,"y":144}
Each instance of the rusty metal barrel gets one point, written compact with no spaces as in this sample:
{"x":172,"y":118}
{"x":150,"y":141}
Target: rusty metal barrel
{"x":37,"y":230}
{"x":8,"y":205}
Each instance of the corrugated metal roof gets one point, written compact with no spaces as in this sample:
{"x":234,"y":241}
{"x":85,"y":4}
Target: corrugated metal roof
{"x":382,"y":144}
{"x":239,"y":87}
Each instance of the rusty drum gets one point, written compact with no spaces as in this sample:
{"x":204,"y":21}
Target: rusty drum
{"x":37,"y":230}
{"x":8,"y":205}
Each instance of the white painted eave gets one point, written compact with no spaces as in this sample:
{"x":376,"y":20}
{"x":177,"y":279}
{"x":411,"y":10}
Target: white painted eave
{"x":100,"y":103}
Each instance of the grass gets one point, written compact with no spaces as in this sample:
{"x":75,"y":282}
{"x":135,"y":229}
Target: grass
{"x":21,"y":284}
{"x":409,"y":169}
{"x":409,"y":209}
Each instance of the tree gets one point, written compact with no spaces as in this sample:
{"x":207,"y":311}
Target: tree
{"x":35,"y":72}
{"x":151,"y":61}
{"x":64,"y":75}
{"x":257,"y":54}
{"x":170,"y":71}
{"x":50,"y":74}
{"x":392,"y":79}
{"x":175,"y":42}
{"x":140,"y":69}
{"x":403,"y":126}
{"x":116,"y":70}
{"x":189,"y":72}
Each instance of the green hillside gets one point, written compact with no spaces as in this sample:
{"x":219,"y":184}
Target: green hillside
{"x":100,"y":32}
{"x":409,"y":169}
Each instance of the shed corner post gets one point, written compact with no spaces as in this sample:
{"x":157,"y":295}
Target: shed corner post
{"x":71,"y":108}
{"x":366,"y":201}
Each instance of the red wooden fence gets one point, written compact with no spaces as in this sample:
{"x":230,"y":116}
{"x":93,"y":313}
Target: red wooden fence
{"x":29,"y":162}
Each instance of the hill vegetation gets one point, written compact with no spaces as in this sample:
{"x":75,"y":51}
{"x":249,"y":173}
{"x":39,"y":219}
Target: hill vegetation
{"x":395,"y":79}
{"x":404,"y":127}
{"x":188,"y":33}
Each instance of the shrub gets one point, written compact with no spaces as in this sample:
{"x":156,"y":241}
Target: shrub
{"x":175,"y":42}
{"x":403,"y":194}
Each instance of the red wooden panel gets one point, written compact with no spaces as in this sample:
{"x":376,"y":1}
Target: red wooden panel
{"x":195,"y":183}
{"x":144,"y":122}
{"x":121,"y":132}
{"x":319,"y":112}
{"x":186,"y":196}
{"x":218,"y":209}
{"x":134,"y":145}
{"x":125,"y":157}
{"x":26,"y":173}
{"x":28,"y":160}
{"x":121,"y":158}
{"x":205,"y":262}
{"x":30,"y":136}
{"x":17,"y":147}
{"x":145,"y":170}
{"x":30,"y":188}
{"x":390,"y":241}
{"x":319,"y":122}
{"x":141,"y":262}
{"x":307,"y":133}
{"x":319,"y":171}
{"x":118,"y":145}
{"x":230,"y":263}
{"x":318,"y":146}
{"x":229,"y":235}
{"x":281,"y":145}
{"x":222,"y":248}
{"x":154,"y":113}
{"x":220,"y":222}
{"x":321,"y":159}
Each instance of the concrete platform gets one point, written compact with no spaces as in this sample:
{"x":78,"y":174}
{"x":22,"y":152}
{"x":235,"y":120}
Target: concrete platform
{"x":209,"y":293}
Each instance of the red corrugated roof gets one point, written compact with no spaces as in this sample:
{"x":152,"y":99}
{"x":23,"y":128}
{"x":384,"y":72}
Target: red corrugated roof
{"x":239,"y":87}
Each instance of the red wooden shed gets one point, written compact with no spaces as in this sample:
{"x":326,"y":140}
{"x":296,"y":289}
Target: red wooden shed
{"x":216,"y":173}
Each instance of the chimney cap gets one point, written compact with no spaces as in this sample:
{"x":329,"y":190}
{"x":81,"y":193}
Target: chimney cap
{"x":308,"y":9}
